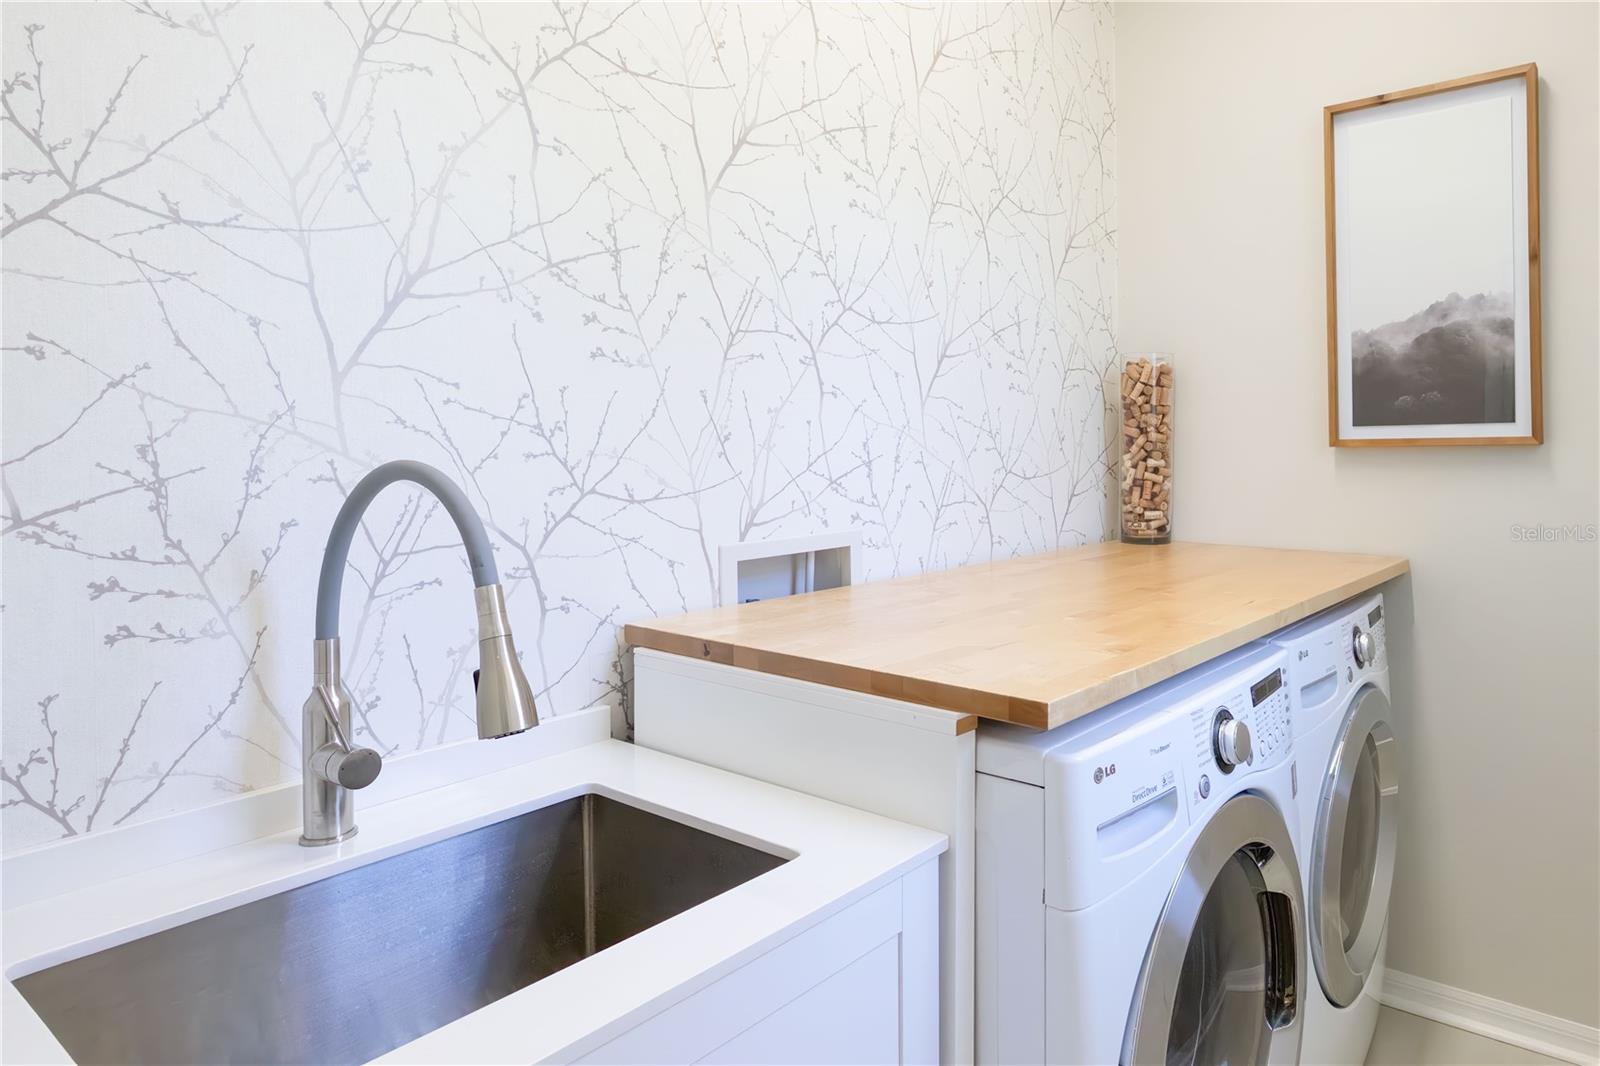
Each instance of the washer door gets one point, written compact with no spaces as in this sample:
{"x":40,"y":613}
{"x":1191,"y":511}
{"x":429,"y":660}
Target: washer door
{"x":1352,"y":858}
{"x":1222,"y":978}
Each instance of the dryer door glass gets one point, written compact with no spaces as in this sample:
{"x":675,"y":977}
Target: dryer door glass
{"x":1221,"y":981}
{"x":1353,"y":862}
{"x":1358,"y":850}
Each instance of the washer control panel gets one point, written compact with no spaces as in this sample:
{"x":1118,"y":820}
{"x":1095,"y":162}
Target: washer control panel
{"x":1365,"y":646}
{"x":1243,"y":728}
{"x":1331,"y":653}
{"x":1269,"y":700}
{"x":1123,"y":782}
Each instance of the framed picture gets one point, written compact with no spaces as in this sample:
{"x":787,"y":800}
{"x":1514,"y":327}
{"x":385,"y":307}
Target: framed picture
{"x":1433,"y":264}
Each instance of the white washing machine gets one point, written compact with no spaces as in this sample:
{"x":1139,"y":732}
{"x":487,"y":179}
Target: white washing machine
{"x":1344,"y":739}
{"x":1139,"y":898}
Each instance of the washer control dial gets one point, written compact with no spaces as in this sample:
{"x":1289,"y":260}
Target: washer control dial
{"x":1230,"y":741}
{"x":1363,"y":647}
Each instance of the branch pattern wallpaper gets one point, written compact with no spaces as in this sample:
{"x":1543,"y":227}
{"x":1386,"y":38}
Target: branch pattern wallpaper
{"x":645,"y":279}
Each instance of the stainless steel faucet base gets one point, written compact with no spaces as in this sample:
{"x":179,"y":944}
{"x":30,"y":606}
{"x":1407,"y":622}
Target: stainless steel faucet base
{"x":331,"y":765}
{"x":307,"y":842}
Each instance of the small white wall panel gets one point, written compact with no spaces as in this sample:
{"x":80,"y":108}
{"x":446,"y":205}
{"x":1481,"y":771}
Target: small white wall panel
{"x":1010,"y":922}
{"x":898,"y":759}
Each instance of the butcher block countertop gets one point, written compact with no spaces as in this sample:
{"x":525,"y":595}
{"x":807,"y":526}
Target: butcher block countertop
{"x":1038,"y":640}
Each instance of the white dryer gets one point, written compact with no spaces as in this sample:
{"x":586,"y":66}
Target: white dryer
{"x":1344,"y":738}
{"x":1139,"y":898}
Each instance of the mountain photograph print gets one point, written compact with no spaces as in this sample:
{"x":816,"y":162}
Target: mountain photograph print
{"x":1451,"y":362}
{"x":1433,"y":271}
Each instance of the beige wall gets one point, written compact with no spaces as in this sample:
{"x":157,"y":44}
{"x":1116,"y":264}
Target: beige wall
{"x":1495,"y":641}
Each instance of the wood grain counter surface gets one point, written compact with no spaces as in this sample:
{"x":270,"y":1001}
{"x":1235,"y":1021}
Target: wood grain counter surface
{"x":1037,"y":640}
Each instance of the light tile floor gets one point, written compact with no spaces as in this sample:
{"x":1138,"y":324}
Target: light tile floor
{"x":1407,"y":1040}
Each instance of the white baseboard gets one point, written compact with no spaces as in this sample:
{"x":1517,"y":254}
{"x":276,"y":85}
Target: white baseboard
{"x":1496,"y":1019}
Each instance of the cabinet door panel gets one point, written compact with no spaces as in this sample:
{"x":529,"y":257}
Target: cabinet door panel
{"x":717,"y":1014}
{"x":852,"y":1017}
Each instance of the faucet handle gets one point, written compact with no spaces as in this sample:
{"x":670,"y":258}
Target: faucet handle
{"x":356,"y":768}
{"x":330,"y":711}
{"x":339,"y":762}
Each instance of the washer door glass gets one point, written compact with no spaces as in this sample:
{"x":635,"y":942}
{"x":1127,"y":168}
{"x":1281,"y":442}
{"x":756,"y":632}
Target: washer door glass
{"x":1353,"y":863}
{"x":1222,"y":999}
{"x":1221,"y":980}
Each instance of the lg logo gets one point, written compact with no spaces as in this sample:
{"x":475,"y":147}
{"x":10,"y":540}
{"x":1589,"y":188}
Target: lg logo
{"x":1103,"y":772}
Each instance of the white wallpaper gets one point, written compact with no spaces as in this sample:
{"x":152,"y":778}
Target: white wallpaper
{"x":645,"y":279}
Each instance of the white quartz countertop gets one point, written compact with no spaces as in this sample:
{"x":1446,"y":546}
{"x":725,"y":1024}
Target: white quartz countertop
{"x":839,"y":856}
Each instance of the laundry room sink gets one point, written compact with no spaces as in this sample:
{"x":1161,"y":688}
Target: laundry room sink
{"x":349,"y":967}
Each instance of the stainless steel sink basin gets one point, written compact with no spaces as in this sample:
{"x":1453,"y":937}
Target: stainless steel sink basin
{"x":349,"y":967}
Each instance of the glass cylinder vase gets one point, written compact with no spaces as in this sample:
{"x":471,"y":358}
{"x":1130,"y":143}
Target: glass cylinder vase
{"x":1145,"y":498}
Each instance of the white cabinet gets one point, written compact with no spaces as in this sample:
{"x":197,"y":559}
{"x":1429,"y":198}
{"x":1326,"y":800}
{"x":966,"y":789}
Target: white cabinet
{"x":848,"y":1018}
{"x":890,"y":757}
{"x":857,"y":987}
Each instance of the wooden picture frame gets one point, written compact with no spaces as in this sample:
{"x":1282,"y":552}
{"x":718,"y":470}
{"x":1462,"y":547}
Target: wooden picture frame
{"x":1388,"y":403}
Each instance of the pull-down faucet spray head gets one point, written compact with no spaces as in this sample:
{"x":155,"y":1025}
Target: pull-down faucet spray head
{"x":505,"y":702}
{"x":333,"y":765}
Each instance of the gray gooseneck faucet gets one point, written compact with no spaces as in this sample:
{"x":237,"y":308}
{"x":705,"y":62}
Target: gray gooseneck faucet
{"x":333,"y":766}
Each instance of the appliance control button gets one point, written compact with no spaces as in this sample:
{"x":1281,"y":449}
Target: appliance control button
{"x":1205,"y":785}
{"x":1231,"y":741}
{"x":1361,"y":644}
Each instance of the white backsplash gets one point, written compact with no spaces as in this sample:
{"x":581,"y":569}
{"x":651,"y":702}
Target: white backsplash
{"x":646,"y":280}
